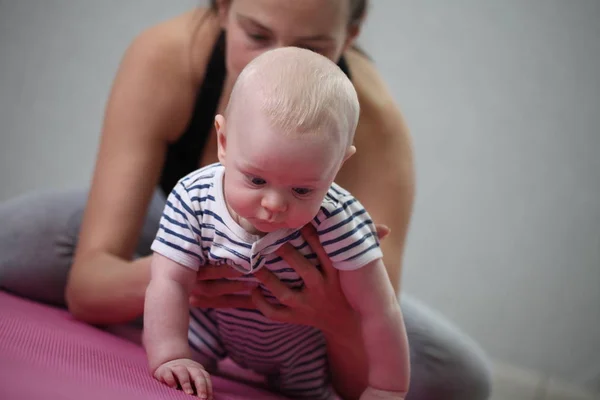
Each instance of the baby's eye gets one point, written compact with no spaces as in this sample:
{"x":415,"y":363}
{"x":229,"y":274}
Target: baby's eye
{"x":258,"y":181}
{"x":302,"y":191}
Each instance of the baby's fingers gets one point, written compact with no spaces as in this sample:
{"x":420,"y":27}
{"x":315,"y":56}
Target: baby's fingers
{"x":202,"y":382}
{"x":166,"y":376}
{"x":183,"y":377}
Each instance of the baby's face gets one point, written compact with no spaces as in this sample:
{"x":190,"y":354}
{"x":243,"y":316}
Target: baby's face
{"x":273,"y":180}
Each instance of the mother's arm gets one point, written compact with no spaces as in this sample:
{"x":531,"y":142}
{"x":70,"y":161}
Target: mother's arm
{"x":322,"y":304}
{"x":149,"y":106}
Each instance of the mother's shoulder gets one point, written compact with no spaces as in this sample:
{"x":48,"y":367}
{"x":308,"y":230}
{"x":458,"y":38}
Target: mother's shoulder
{"x":184,"y":42}
{"x":379,"y":114}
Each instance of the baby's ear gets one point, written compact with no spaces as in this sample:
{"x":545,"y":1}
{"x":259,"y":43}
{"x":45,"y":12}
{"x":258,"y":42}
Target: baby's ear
{"x":349,"y":153}
{"x":220,"y":124}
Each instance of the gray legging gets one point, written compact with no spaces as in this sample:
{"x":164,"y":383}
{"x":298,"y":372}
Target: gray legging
{"x":38,"y":234}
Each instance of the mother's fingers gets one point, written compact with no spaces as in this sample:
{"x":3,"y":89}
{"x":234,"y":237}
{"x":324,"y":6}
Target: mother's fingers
{"x":224,"y":301}
{"x":303,"y":267}
{"x":280,"y":290}
{"x":382,"y":231}
{"x":275,"y":312}
{"x":309,"y":233}
{"x":217,"y":272}
{"x":217,"y":288}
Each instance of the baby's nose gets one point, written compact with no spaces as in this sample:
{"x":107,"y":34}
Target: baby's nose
{"x":274,"y":203}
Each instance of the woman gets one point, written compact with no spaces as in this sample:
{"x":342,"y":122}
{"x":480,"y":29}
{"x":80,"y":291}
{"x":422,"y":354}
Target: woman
{"x":158,"y":127}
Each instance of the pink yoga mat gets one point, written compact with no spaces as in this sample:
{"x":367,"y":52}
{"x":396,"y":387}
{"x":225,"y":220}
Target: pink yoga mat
{"x":46,"y":354}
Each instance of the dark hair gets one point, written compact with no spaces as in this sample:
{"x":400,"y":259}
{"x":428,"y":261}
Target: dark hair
{"x":358,"y":9}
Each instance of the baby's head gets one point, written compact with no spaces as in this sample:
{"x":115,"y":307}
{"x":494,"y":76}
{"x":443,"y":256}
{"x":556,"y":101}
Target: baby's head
{"x":287,"y":130}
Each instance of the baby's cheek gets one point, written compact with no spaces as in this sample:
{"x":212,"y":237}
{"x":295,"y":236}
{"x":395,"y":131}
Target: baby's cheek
{"x":305,"y":214}
{"x":239,"y":200}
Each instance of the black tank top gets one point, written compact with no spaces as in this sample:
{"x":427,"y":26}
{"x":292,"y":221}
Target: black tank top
{"x":183,"y":155}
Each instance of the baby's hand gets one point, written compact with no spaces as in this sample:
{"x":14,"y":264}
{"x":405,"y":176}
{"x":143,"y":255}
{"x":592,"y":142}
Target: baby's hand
{"x":376,"y":394}
{"x":189,"y":375}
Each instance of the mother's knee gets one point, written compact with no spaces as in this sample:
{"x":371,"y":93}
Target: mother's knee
{"x":37,"y":239}
{"x":451,"y":375}
{"x":445,"y":363}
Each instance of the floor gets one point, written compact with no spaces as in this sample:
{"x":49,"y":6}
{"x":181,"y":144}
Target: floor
{"x":515,"y":384}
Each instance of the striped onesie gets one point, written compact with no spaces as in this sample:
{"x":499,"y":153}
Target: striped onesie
{"x":196,"y":231}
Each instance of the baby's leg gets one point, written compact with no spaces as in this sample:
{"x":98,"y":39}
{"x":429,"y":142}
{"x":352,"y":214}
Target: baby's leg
{"x":205,"y":342}
{"x":305,"y":373}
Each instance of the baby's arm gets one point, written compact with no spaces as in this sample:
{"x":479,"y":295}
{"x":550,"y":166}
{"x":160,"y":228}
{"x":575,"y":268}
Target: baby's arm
{"x":166,"y":311}
{"x":370,"y":293}
{"x":166,"y":323}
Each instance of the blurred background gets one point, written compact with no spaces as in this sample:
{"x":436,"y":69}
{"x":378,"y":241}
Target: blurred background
{"x":503,"y":101}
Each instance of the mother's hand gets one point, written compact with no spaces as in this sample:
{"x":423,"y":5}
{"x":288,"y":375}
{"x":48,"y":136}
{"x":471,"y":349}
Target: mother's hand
{"x":212,"y":290}
{"x":321,"y":302}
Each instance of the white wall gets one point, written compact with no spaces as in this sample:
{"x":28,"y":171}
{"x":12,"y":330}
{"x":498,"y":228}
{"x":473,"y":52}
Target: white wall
{"x":57,"y":62}
{"x":503,"y":99}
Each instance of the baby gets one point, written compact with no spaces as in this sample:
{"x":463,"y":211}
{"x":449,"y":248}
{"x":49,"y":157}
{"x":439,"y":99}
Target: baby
{"x":286,"y":132}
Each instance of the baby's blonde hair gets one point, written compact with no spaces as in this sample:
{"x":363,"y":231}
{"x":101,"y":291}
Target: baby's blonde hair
{"x":300,"y":92}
